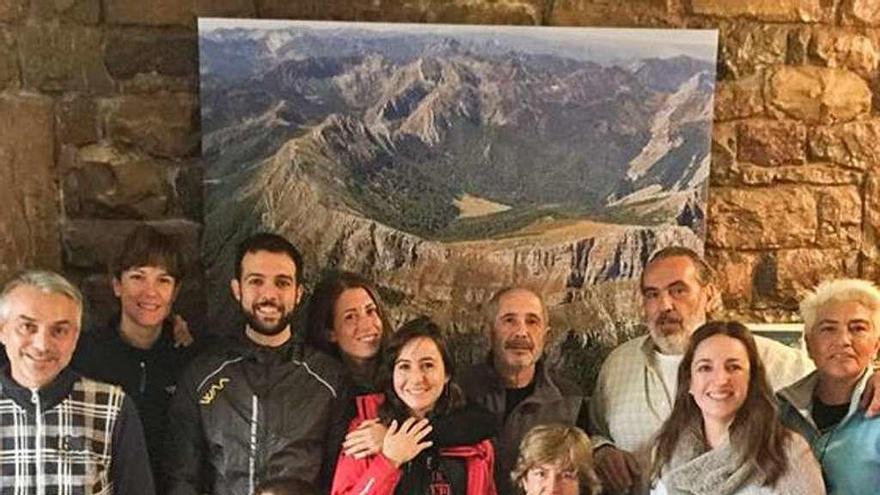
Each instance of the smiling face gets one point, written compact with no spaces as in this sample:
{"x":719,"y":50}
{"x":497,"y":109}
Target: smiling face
{"x":357,"y":327}
{"x":268,"y":294}
{"x":146,"y":294}
{"x":40,"y":333}
{"x":519,"y":330}
{"x":674,"y":301}
{"x":720,"y":374}
{"x":419,"y":375}
{"x":844,"y":340}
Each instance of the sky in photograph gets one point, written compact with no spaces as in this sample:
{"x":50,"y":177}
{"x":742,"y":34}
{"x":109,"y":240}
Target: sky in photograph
{"x":575,"y":42}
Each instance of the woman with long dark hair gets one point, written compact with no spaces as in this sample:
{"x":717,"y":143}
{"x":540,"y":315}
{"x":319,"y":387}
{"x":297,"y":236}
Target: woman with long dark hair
{"x":348,"y":320}
{"x":724,"y":436}
{"x":417,"y":382}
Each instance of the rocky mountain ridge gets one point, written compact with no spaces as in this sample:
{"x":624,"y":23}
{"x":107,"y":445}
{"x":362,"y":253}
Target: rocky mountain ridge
{"x":363,"y":155}
{"x":449,"y":281}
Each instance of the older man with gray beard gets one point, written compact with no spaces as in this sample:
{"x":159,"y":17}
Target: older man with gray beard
{"x":635,"y":389}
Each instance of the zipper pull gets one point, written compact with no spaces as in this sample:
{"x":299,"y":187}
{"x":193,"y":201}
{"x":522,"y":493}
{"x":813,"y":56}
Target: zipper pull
{"x":35,"y":400}
{"x":143,"y":385}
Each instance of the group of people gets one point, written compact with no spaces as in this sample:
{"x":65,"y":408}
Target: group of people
{"x":350,"y":405}
{"x":705,"y":407}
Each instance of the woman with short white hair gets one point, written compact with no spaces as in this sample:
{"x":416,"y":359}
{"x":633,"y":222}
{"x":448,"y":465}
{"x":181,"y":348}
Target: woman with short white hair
{"x":842,"y":333}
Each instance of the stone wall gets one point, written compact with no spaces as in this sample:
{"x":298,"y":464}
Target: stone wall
{"x":99,"y":127}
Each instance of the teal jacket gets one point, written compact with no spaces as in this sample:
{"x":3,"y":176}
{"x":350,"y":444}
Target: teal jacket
{"x":849,"y":453}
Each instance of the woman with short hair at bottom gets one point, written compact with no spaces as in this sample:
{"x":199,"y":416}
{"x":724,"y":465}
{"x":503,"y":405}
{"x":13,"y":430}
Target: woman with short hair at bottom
{"x":556,"y":459}
{"x":842,"y":332}
{"x":416,"y":378}
{"x":724,"y":436}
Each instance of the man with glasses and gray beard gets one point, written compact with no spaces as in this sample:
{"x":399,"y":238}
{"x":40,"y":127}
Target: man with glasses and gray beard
{"x":263,"y":405}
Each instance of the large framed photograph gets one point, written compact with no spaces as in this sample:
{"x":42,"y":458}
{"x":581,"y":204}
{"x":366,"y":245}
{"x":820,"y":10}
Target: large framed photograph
{"x":445,"y":162}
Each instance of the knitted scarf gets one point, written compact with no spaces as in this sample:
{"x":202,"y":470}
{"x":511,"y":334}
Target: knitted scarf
{"x":719,"y":471}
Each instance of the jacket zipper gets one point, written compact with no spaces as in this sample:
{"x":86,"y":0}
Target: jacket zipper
{"x":252,"y":461}
{"x":143,"y":383}
{"x":41,"y":482}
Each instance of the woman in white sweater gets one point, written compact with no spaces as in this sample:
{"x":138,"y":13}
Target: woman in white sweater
{"x":724,"y":436}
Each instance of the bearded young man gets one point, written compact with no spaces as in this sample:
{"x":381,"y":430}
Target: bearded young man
{"x":263,"y":405}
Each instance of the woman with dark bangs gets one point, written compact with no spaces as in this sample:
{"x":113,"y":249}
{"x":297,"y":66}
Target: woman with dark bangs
{"x":724,"y":436}
{"x":144,"y":348}
{"x":418,"y":389}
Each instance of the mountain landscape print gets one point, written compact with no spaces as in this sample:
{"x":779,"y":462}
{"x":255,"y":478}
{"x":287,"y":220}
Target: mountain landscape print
{"x":446,"y":162}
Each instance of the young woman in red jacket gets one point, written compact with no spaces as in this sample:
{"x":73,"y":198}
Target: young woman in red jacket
{"x":416,"y":378}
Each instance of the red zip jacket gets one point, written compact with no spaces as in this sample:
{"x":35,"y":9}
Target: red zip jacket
{"x":376,"y":475}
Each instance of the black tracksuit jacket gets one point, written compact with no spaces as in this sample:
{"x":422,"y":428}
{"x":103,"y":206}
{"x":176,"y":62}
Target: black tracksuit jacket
{"x":243,"y":414}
